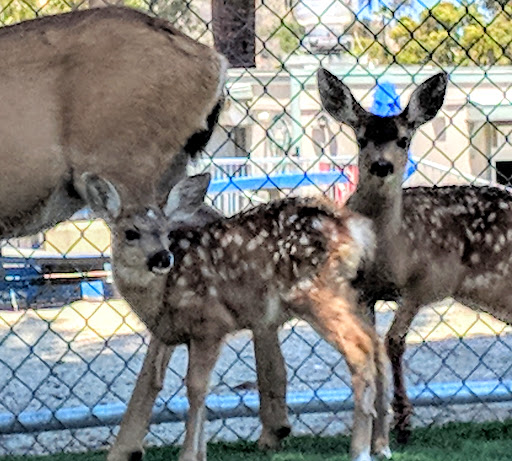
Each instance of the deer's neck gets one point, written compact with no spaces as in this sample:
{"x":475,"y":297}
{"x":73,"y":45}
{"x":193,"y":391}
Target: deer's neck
{"x":379,"y":200}
{"x":142,"y":289}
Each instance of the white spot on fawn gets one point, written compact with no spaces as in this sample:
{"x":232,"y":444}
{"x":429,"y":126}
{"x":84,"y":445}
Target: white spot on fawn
{"x":316,"y":224}
{"x":309,"y":251}
{"x":304,"y":239}
{"x":475,"y":258}
{"x":205,"y":240}
{"x":217,"y":254}
{"x":184,"y":244}
{"x":253,"y":244}
{"x":202,"y":254}
{"x":264,"y":234}
{"x":182,"y":281}
{"x":205,"y":271}
{"x":226,"y":240}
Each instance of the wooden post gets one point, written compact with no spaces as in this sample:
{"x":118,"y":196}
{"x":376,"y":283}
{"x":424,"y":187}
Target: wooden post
{"x":234,"y":31}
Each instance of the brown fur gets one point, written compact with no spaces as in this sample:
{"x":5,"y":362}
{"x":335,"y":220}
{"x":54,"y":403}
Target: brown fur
{"x":294,"y":257}
{"x":432,"y":243}
{"x":109,"y":91}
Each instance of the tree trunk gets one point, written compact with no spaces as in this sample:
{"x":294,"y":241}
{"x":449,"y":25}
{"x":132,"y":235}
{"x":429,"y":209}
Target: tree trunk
{"x":233,"y":24}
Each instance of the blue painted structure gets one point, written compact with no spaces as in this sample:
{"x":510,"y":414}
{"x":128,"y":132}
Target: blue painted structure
{"x":386,"y":102}
{"x":237,"y":406}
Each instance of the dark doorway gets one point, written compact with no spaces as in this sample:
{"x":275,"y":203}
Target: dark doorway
{"x":504,"y":173}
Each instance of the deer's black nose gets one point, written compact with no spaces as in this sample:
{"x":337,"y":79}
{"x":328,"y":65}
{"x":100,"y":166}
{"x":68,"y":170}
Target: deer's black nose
{"x":160,"y":263}
{"x":381,"y":168}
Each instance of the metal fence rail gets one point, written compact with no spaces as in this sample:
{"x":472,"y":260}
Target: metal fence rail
{"x":70,"y":352}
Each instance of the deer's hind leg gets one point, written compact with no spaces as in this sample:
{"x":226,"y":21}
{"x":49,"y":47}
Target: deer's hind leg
{"x":271,"y":371}
{"x":134,"y":426}
{"x":335,"y":320}
{"x":380,"y":436}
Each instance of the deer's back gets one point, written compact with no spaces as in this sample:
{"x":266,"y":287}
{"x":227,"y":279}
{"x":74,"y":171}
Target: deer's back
{"x":455,"y":235}
{"x":111,"y":91}
{"x":237,"y":272}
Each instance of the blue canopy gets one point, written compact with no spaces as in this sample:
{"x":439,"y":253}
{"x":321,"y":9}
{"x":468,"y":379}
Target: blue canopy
{"x":386,"y":103}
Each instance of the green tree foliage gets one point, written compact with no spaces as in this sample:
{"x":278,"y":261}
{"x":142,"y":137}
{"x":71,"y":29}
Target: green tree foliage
{"x":19,"y":10}
{"x":188,"y":15}
{"x":446,"y":34}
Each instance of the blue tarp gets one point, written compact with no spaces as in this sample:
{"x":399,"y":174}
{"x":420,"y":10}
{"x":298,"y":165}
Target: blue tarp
{"x":386,"y":101}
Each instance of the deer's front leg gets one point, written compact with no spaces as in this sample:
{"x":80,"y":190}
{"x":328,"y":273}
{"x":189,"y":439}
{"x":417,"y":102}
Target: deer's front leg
{"x":395,"y":343}
{"x":201,"y":360}
{"x":271,"y":371}
{"x":134,"y":427}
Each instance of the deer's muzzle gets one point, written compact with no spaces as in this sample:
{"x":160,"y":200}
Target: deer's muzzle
{"x":381,"y":168}
{"x":161,"y":262}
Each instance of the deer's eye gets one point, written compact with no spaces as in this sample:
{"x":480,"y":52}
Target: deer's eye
{"x":402,"y":143}
{"x":363,"y":142}
{"x":132,"y":235}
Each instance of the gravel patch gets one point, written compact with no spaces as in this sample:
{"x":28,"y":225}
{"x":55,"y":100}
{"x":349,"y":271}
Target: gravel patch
{"x":90,"y":353}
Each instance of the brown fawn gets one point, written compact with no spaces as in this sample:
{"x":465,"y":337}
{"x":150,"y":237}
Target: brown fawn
{"x":294,"y":257}
{"x":432,"y":242}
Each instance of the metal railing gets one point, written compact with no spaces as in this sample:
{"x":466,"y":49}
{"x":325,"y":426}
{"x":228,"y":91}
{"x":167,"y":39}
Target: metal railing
{"x":67,"y":371}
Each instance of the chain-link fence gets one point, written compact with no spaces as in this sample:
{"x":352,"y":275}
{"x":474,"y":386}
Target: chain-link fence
{"x":71,"y":351}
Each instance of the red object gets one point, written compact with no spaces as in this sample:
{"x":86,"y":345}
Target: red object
{"x":343,"y":190}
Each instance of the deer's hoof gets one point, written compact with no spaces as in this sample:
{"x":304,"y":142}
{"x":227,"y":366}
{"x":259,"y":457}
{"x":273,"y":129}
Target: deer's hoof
{"x":363,"y":456}
{"x":136,"y":455}
{"x":402,"y":427}
{"x":271,"y":440}
{"x":383,"y":453}
{"x":125,"y":455}
{"x":403,"y":435}
{"x":193,"y":457}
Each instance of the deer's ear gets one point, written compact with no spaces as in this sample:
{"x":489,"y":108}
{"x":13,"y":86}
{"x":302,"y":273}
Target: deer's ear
{"x":426,"y":100}
{"x":102,"y":196}
{"x":188,"y":195}
{"x":338,"y":100}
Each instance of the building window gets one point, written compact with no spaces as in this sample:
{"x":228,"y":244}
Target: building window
{"x":239,"y":140}
{"x":504,"y":173}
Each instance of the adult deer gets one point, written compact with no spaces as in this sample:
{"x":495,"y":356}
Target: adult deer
{"x":432,"y":242}
{"x":108,"y":90}
{"x":255,"y":270}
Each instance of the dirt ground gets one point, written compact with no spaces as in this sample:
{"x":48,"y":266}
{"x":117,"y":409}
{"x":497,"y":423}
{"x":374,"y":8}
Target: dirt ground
{"x":89,"y":353}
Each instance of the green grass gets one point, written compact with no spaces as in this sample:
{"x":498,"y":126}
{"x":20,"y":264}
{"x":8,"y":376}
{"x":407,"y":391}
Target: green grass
{"x":453,"y":442}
